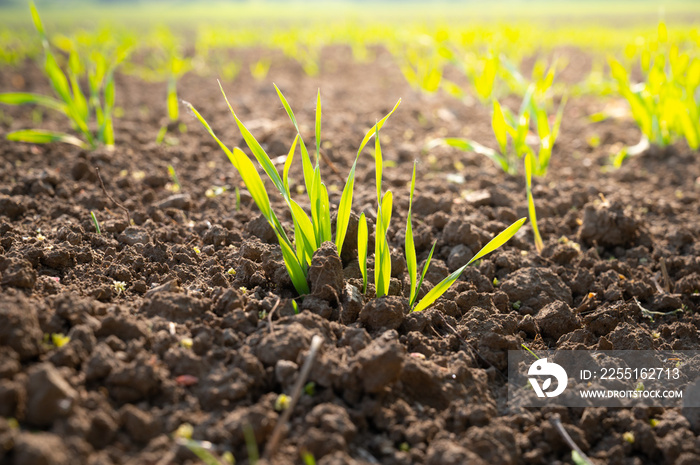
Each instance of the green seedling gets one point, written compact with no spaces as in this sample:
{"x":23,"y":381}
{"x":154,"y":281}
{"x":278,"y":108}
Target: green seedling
{"x":173,"y":176}
{"x":251,"y":444}
{"x":665,"y":104}
{"x":260,"y":68}
{"x":382,"y":258}
{"x":382,"y":253}
{"x":59,"y":339}
{"x":421,"y":65}
{"x":177,"y":67}
{"x":442,"y":287}
{"x":203,"y":451}
{"x":309,"y":232}
{"x":84,"y":111}
{"x":507,"y":125}
{"x":95,"y":222}
{"x":410,"y":250}
{"x":484,"y":81}
{"x":530,"y":351}
{"x":362,"y":245}
{"x":532,"y":213}
{"x":308,"y":458}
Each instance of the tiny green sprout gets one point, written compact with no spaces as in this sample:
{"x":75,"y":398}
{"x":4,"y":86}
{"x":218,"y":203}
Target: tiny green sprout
{"x":639,"y":387}
{"x":59,"y":340}
{"x":442,"y":287}
{"x":653,"y":422}
{"x":196,"y":250}
{"x":228,"y":458}
{"x":238,"y":199}
{"x":308,"y":458}
{"x":119,"y":286}
{"x":262,"y":314}
{"x":530,"y":351}
{"x":655,"y":334}
{"x":95,"y":222}
{"x":184,"y":431}
{"x":517,"y":304}
{"x":251,"y":444}
{"x":173,"y":176}
{"x":243,"y":289}
{"x":593,"y":141}
{"x":203,"y":451}
{"x":295,"y":306}
{"x":310,"y":388}
{"x":160,"y":137}
{"x":496,"y":282}
{"x":404,"y":447}
{"x":282,"y":402}
{"x":186,"y":342}
{"x":577,"y":459}
{"x":628,"y":436}
{"x":231,"y":272}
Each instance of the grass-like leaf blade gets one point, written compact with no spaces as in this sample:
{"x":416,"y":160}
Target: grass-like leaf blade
{"x":308,"y":168}
{"x":422,"y":276}
{"x":409,"y":247}
{"x":318,"y":125}
{"x":288,"y":165}
{"x":498,"y":123}
{"x":24,"y":98}
{"x":472,"y":146}
{"x":539,"y":245}
{"x":362,"y":245}
{"x":257,"y":150}
{"x":39,"y":136}
{"x":442,"y":287}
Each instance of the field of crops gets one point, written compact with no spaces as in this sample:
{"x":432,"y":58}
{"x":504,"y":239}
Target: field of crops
{"x":299,"y":233}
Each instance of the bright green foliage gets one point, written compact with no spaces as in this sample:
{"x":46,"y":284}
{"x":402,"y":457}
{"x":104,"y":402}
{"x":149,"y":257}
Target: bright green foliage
{"x":382,"y":256}
{"x":507,"y":125}
{"x":665,"y":104}
{"x":422,"y":60}
{"x":309,"y":232}
{"x":442,"y":287}
{"x":82,"y":109}
{"x":382,"y":252}
{"x":539,"y":245}
{"x":410,"y":250}
{"x":173,"y":176}
{"x":484,"y":81}
{"x":95,"y":222}
{"x":204,"y":453}
{"x":164,"y":61}
{"x":362,"y":245}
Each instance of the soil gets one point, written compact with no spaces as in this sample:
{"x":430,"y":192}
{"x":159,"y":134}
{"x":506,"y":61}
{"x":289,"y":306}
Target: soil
{"x":204,"y":331}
